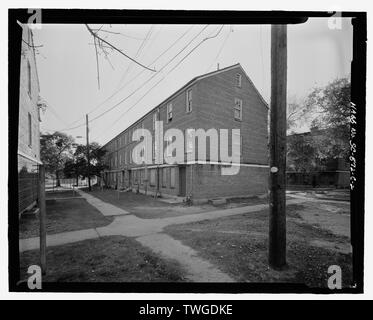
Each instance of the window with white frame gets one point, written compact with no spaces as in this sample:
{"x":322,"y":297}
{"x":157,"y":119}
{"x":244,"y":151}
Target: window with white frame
{"x":189,"y":100}
{"x":169,"y":112}
{"x":237,"y":109}
{"x":238,"y":80}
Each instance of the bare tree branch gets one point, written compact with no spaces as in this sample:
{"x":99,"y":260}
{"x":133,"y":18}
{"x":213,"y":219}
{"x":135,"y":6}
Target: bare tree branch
{"x":97,"y":66}
{"x":115,"y":48}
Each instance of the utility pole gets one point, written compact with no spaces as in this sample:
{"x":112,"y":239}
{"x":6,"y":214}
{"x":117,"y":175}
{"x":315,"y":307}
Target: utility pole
{"x":277,"y":146}
{"x":42,"y":217}
{"x":88,"y":169}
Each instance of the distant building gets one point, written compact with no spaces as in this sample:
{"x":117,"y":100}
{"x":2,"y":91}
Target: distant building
{"x":223,"y":99}
{"x":28,"y":128}
{"x":333,"y":172}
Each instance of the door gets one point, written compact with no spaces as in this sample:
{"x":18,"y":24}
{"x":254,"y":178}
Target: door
{"x":129,"y":179}
{"x":182,"y":181}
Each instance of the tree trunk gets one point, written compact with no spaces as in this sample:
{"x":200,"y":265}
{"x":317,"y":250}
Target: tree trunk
{"x":58,"y":182}
{"x":77,"y":179}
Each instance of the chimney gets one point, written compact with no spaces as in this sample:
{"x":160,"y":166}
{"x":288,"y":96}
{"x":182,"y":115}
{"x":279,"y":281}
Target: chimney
{"x":218,"y":66}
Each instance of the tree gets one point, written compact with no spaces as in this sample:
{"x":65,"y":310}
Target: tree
{"x":301,"y":155}
{"x":78,"y":165}
{"x":331,"y":104}
{"x":294,"y":112}
{"x":55,"y":150}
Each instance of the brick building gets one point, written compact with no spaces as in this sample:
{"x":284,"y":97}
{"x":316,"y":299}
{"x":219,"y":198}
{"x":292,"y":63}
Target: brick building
{"x":223,"y":99}
{"x":28,"y":124}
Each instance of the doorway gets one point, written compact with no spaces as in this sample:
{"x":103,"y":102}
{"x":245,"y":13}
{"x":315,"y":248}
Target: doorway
{"x":182,"y":181}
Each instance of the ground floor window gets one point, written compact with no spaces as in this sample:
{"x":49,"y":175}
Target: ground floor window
{"x":152,"y":177}
{"x":164,"y":177}
{"x":172,"y":177}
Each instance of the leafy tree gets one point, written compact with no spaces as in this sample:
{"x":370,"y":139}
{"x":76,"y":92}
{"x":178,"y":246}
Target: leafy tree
{"x":78,"y":165}
{"x":301,"y":153}
{"x":295,"y":112}
{"x":55,"y":150}
{"x":332,"y":106}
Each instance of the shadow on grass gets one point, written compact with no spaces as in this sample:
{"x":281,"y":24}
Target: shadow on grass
{"x":108,"y":259}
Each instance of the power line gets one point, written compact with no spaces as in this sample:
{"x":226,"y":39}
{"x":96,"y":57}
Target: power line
{"x":134,"y":78}
{"x":115,"y":48}
{"x":130,"y":81}
{"x":220,"y":50}
{"x":140,"y":87}
{"x":133,"y":92}
{"x":137,"y":53}
{"x":156,"y":84}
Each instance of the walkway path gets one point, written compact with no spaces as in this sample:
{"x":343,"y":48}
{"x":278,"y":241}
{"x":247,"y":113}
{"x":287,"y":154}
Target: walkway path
{"x":149,"y":233}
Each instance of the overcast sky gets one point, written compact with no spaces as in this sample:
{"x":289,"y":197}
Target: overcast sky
{"x":68,"y":78}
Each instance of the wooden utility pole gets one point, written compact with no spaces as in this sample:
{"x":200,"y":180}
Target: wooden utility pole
{"x":42,"y":218}
{"x":88,"y":160}
{"x":277,"y":146}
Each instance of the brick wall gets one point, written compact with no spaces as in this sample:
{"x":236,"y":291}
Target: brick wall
{"x":213,"y":107}
{"x":28,"y":150}
{"x":216,"y":97}
{"x":210,"y":183}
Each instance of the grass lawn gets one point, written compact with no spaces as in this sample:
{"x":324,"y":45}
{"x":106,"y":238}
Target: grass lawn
{"x":61,"y":194}
{"x":238,"y":245}
{"x":108,"y":259}
{"x":147,"y":207}
{"x":62,"y":216}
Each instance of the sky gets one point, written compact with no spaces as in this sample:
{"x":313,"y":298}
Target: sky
{"x":67,"y":69}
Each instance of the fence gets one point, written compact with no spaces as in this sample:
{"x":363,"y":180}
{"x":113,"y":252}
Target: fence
{"x":67,"y":183}
{"x":27,"y":183}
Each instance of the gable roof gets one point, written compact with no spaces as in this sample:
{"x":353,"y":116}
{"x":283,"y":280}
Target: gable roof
{"x":189,"y":84}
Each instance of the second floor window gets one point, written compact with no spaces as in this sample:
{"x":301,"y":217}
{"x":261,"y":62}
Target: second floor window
{"x":29,"y":130}
{"x":238,"y":80}
{"x":155,"y":118}
{"x":29,"y":78}
{"x":189,"y":101}
{"x":237,"y":109}
{"x":169,"y":112}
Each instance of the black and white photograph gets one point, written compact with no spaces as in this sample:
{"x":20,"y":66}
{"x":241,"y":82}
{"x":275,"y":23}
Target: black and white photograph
{"x":186,"y":152}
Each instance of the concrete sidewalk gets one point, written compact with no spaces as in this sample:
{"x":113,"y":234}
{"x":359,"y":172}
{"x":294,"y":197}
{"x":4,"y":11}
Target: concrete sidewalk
{"x":149,"y":233}
{"x":105,"y":208}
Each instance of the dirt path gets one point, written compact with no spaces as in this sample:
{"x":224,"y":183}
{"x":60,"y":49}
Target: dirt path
{"x":196,"y":268}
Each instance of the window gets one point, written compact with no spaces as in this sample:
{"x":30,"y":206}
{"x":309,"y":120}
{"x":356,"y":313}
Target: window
{"x":164,"y":177}
{"x":29,"y":78}
{"x":29,"y":130}
{"x":172,"y":177}
{"x":189,"y":141}
{"x":189,"y":101}
{"x":238,"y":80}
{"x":169,"y":151}
{"x":152,"y":177}
{"x":141,"y":176}
{"x":169,"y":112}
{"x":237,"y":109}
